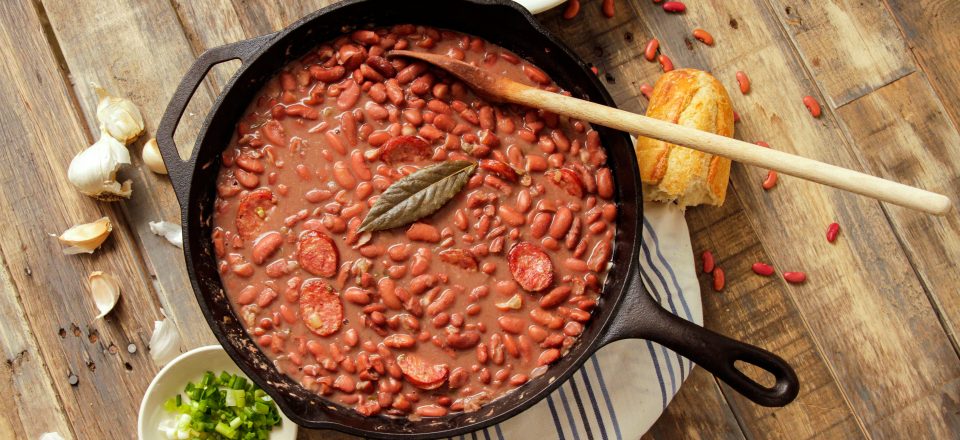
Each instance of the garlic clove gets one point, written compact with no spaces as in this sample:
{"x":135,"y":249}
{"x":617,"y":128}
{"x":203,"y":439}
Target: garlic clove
{"x":151,"y":157}
{"x":118,"y":117}
{"x":171,"y":231}
{"x":94,"y":170}
{"x":514,"y":303}
{"x":165,"y":341}
{"x":105,"y":290}
{"x":86,"y":237}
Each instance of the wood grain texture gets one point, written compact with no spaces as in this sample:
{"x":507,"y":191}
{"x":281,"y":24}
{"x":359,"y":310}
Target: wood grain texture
{"x":931,"y":31}
{"x":866,"y":333}
{"x":95,"y":51}
{"x":24,"y":378}
{"x":38,"y":200}
{"x":908,"y":113}
{"x":850,"y":47}
{"x":891,"y":382}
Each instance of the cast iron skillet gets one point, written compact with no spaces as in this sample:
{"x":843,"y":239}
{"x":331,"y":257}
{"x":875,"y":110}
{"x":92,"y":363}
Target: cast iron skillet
{"x":626,"y":309}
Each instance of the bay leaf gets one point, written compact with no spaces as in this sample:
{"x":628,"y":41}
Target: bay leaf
{"x":418,"y":195}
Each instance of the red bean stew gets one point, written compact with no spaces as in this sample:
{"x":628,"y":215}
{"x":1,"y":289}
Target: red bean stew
{"x":444,"y":314}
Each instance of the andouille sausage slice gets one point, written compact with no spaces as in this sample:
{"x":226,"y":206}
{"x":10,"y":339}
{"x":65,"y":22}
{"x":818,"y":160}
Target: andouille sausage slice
{"x":317,"y":253}
{"x":421,"y":373}
{"x":320,"y":307}
{"x":531,"y":266}
{"x":405,"y":149}
{"x":253,"y":210}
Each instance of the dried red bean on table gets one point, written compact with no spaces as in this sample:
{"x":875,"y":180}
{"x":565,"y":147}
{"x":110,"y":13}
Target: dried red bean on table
{"x":719,"y":279}
{"x":708,"y":261}
{"x":609,"y":9}
{"x":573,"y":8}
{"x":744,"y":82}
{"x":676,"y":7}
{"x":665,"y":63}
{"x":771,"y":180}
{"x":832,"y":232}
{"x":650,"y":51}
{"x":812,"y":106}
{"x":762,"y":269}
{"x":703,"y":36}
{"x":646,"y":90}
{"x":395,"y":321}
{"x":795,"y":277}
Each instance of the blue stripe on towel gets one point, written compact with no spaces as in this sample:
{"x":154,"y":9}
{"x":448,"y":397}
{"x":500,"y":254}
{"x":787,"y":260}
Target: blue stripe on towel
{"x":666,"y":354}
{"x":593,"y":403}
{"x":656,"y":368}
{"x":556,"y":418}
{"x":499,"y":432}
{"x":580,"y":407}
{"x":486,"y":434}
{"x":606,"y":396}
{"x":673,"y":276}
{"x":566,"y":409}
{"x":666,"y":289}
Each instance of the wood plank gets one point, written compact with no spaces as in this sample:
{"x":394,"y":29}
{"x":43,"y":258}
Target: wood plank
{"x":862,"y":303}
{"x":88,"y":31}
{"x":760,"y":314}
{"x":685,"y":416}
{"x":902,"y":132}
{"x":850,"y":47}
{"x":39,"y":141}
{"x":25,"y":380}
{"x":930,"y":28}
{"x":612,"y":46}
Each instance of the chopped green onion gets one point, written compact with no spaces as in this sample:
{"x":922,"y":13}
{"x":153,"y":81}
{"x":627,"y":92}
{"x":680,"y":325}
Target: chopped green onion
{"x":221,"y":406}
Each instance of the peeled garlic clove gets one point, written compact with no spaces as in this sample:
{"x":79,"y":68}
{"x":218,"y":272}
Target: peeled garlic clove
{"x":151,"y":157}
{"x":105,"y":290}
{"x":171,"y":231}
{"x":514,"y":303}
{"x":86,"y":237}
{"x":118,"y":117}
{"x":94,"y":170}
{"x":165,"y":342}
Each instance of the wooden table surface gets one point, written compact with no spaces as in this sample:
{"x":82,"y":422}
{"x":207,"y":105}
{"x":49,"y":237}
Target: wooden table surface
{"x":872,"y":333}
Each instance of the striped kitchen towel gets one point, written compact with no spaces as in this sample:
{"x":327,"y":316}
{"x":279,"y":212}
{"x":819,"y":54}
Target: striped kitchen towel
{"x":622,"y":390}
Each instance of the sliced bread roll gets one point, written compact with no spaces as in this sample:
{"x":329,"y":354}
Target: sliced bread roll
{"x":671,"y":173}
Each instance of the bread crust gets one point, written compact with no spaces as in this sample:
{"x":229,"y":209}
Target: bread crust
{"x":669,"y":172}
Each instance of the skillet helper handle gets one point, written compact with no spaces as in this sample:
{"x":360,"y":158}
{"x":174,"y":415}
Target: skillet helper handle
{"x":181,"y":171}
{"x":643,"y":318}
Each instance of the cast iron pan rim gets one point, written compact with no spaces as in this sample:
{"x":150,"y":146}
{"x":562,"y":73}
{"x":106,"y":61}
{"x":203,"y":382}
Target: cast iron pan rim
{"x":584,"y":348}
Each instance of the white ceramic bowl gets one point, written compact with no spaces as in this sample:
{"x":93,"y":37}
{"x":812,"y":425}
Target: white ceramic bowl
{"x":538,"y":6}
{"x":189,"y":367}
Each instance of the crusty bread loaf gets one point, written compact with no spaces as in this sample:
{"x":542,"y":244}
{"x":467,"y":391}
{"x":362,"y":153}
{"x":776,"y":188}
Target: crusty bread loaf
{"x":669,"y":172}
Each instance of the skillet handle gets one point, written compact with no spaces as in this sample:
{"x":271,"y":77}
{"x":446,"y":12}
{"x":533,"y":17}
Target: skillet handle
{"x":181,"y":171}
{"x":640,"y":317}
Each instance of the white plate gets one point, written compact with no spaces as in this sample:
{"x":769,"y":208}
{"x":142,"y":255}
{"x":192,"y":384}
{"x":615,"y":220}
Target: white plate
{"x":538,"y":6}
{"x":189,"y":367}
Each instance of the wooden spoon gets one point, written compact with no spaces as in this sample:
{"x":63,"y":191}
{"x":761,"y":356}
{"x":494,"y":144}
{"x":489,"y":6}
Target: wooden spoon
{"x":503,"y":89}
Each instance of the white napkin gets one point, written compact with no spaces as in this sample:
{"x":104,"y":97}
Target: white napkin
{"x":622,"y":390}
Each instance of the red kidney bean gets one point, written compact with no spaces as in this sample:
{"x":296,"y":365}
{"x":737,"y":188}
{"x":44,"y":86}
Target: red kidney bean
{"x":812,"y":105}
{"x":555,"y":297}
{"x":650,"y":51}
{"x":771,"y":180}
{"x":719,"y":279}
{"x":265,"y":246}
{"x":795,"y":277}
{"x":356,"y":296}
{"x":399,"y":340}
{"x":605,"y":183}
{"x":762,"y":269}
{"x":423,"y":232}
{"x":665,"y":63}
{"x":744,"y":82}
{"x":832,"y":232}
{"x":703,"y":36}
{"x":561,"y":223}
{"x":511,"y":324}
{"x":708,"y":261}
{"x":572,"y":9}
{"x":548,"y":356}
{"x":674,"y":6}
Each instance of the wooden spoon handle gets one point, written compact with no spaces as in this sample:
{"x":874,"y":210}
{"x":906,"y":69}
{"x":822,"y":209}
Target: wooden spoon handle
{"x":740,"y":151}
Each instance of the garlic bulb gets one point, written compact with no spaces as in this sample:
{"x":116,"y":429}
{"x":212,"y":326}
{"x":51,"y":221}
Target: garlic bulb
{"x":94,"y":170}
{"x":151,"y":157}
{"x":171,"y":231}
{"x":86,"y":237}
{"x":118,"y":117}
{"x":105,"y":290}
{"x":165,"y":341}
